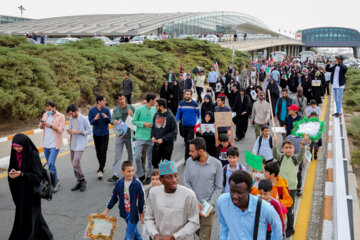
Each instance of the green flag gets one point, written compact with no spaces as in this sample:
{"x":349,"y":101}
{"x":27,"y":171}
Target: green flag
{"x":254,"y":161}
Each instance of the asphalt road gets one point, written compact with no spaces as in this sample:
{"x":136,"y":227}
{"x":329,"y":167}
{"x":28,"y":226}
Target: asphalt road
{"x":67,"y":213}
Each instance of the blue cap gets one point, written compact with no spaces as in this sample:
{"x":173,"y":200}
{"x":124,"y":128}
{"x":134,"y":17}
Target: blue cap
{"x":167,"y":167}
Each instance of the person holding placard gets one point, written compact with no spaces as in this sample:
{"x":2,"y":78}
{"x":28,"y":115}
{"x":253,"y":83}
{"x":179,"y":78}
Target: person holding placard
{"x":221,"y":107}
{"x":121,"y":112}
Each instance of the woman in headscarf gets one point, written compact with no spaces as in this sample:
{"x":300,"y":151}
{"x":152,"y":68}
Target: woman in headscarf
{"x":208,"y":136}
{"x":274,"y":93}
{"x":175,"y":97}
{"x":165,"y":91}
{"x":208,"y":105}
{"x":242,"y":109}
{"x":25,"y":173}
{"x":306,"y":85}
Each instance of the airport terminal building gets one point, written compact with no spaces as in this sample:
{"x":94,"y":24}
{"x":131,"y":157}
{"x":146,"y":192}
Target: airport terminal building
{"x":113,"y":25}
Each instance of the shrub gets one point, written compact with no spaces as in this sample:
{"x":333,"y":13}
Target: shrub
{"x":76,"y":72}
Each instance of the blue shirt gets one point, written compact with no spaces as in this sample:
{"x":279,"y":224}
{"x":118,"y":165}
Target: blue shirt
{"x":265,"y":149}
{"x":188,"y":113}
{"x":239,"y":225}
{"x":83,"y":125}
{"x":228,"y":173}
{"x":212,"y":77}
{"x":275,"y":75}
{"x":101,"y":125}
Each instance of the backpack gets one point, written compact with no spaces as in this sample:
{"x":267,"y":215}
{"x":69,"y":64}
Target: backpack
{"x":47,"y":184}
{"x":293,"y":159}
{"x":224,"y":173}
{"x":260,"y":140}
{"x":281,"y":192}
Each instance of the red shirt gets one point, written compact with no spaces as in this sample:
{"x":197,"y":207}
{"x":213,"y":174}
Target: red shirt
{"x":275,"y":203}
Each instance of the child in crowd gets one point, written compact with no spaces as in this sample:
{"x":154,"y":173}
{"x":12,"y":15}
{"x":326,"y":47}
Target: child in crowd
{"x":265,"y":188}
{"x":233,"y":157}
{"x":222,"y":146}
{"x":289,"y":162}
{"x":315,"y":145}
{"x":208,"y":135}
{"x":155,"y":180}
{"x":280,"y":190}
{"x":130,"y":193}
{"x":264,"y":143}
{"x":313,"y":108}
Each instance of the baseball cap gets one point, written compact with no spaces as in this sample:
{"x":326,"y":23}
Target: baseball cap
{"x":293,"y":107}
{"x":340,"y":57}
{"x":261,"y":93}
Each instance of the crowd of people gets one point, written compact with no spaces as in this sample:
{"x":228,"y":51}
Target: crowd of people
{"x":249,"y":204}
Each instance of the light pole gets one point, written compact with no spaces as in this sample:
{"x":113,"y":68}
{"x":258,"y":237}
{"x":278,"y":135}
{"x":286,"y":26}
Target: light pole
{"x":22,"y":9}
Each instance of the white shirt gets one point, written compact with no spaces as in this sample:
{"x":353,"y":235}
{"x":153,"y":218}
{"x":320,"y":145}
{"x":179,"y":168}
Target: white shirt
{"x":336,"y":78}
{"x":49,"y":138}
{"x":327,"y":76}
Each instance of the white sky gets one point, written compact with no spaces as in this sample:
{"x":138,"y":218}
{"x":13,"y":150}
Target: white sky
{"x":286,"y":15}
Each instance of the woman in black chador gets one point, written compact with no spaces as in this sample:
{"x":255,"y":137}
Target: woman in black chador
{"x":25,"y":172}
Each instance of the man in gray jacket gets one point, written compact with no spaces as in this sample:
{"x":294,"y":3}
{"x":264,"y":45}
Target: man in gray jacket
{"x":203,"y":175}
{"x":128,"y":87}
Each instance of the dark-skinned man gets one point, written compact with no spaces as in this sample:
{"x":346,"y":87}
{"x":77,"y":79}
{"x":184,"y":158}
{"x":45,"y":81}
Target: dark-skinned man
{"x":237,"y":210}
{"x":171,"y":209}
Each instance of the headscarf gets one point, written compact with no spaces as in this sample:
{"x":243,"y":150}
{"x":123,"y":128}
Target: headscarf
{"x":25,"y":157}
{"x":205,"y":107}
{"x":211,"y":114}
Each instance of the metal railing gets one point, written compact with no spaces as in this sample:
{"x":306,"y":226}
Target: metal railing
{"x":342,"y":206}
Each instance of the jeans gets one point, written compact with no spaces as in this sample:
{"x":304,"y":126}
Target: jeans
{"x":50,"y":155}
{"x":327,"y":88}
{"x":138,"y":153}
{"x":101,"y":146}
{"x":75,"y":157}
{"x":128,"y":98}
{"x":119,"y":146}
{"x":199,"y":91}
{"x":338,"y":93}
{"x":188,"y":133}
{"x":161,"y":152}
{"x":299,"y":176}
{"x":132,"y":231}
{"x":290,"y":214}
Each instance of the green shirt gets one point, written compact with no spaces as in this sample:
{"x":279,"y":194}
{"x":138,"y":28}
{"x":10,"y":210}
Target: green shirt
{"x":121,"y":114}
{"x":143,"y":115}
{"x":287,"y":169}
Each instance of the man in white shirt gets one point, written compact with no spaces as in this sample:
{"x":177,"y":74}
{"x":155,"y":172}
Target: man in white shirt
{"x":338,"y":81}
{"x":212,"y":78}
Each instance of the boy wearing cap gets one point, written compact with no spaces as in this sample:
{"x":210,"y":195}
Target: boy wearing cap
{"x":291,"y":118}
{"x":171,"y":209}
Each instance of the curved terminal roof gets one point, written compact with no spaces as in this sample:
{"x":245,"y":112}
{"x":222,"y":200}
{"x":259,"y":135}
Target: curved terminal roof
{"x":142,"y":23}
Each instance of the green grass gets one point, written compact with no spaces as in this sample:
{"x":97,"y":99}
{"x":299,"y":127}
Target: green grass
{"x":78,"y":71}
{"x":353,"y":130}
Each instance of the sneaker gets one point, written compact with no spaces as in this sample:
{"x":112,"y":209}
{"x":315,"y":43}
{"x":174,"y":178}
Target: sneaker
{"x":56,"y":188}
{"x":76,"y":187}
{"x":237,"y":139}
{"x":147,"y":181}
{"x":141,"y":179}
{"x":100,"y":175}
{"x":298,"y":193}
{"x":82,"y":185}
{"x":335,"y":115}
{"x":113,"y":179}
{"x":289,"y":232}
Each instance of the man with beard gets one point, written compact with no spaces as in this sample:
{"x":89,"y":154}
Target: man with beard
{"x":241,"y":107}
{"x":203,"y":174}
{"x":243,"y":215}
{"x":171,"y":201}
{"x":282,"y":105}
{"x":163,"y":133}
{"x":260,"y":113}
{"x":188,"y":112}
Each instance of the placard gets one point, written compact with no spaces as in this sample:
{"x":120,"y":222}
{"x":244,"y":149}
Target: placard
{"x":223,"y":119}
{"x":208,"y":129}
{"x":129,"y":123}
{"x":100,"y":227}
{"x":279,"y":129}
{"x":316,"y":83}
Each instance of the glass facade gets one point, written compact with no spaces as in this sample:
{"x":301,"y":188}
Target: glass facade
{"x":218,"y":22}
{"x":331,"y":34}
{"x":9,"y":19}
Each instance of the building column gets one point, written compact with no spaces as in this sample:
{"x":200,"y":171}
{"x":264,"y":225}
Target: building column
{"x":292,"y":50}
{"x":268,"y":53}
{"x":253,"y":54}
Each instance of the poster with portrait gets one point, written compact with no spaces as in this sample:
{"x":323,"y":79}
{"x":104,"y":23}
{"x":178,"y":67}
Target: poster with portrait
{"x":120,"y":128}
{"x":316,"y":83}
{"x":100,"y":227}
{"x":207,"y":130}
